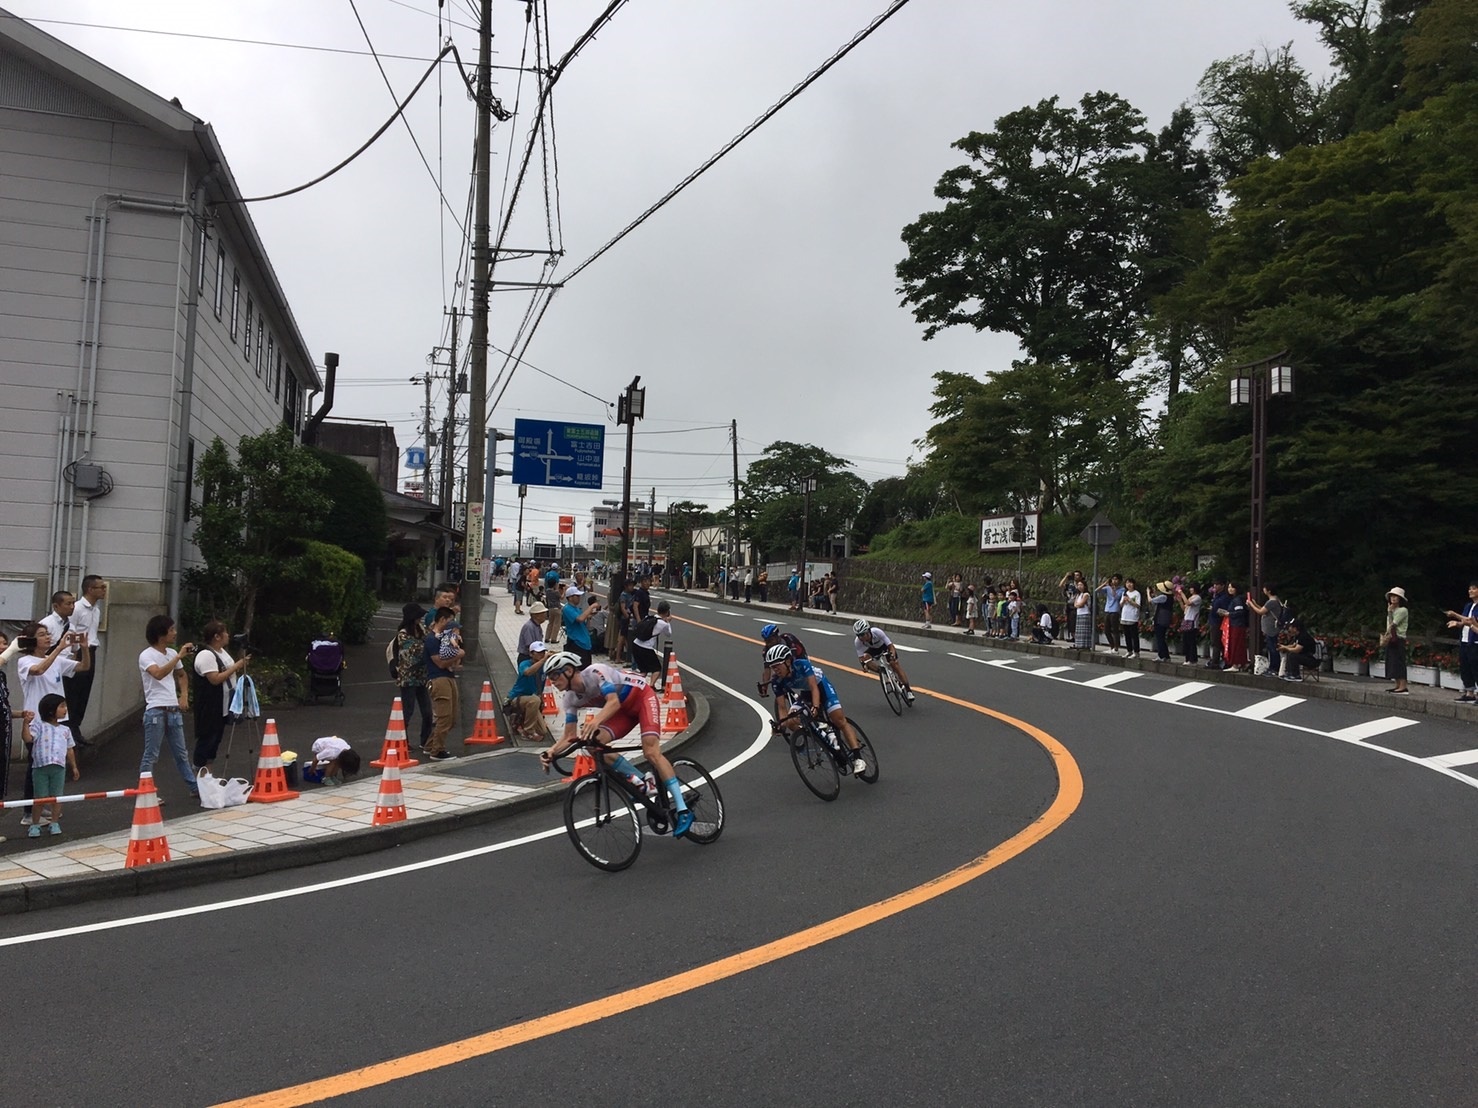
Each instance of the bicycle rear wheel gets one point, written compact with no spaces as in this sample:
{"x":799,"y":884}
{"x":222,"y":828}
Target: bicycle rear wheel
{"x":813,"y":761}
{"x":602,"y":823}
{"x":700,"y":792}
{"x":869,"y":755}
{"x":892,"y":689}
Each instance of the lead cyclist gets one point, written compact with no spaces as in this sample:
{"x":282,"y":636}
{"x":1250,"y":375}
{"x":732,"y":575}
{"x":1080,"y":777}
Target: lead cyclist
{"x":872,"y":643}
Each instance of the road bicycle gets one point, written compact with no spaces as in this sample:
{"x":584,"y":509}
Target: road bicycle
{"x":892,"y":684}
{"x":601,"y":808}
{"x":820,"y":756}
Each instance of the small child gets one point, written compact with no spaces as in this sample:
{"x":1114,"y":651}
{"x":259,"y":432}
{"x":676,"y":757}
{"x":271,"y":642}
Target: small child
{"x":333,"y":760}
{"x":972,"y":609}
{"x":52,"y":754}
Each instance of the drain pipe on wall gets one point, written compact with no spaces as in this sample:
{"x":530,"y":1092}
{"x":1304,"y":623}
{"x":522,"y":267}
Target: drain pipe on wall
{"x":187,"y":397}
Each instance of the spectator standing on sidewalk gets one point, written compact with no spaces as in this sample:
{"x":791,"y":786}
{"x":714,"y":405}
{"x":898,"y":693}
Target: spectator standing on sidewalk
{"x":1270,"y":613}
{"x":410,"y":668}
{"x":1397,"y":622}
{"x":749,"y":585}
{"x":166,"y":698}
{"x":8,"y":650}
{"x":762,"y":582}
{"x":1467,"y":644}
{"x":1238,"y":619}
{"x":644,"y":644}
{"x":1129,"y":608}
{"x":575,"y":618}
{"x":1215,"y":606}
{"x":515,"y":586}
{"x":1164,"y":615}
{"x":86,"y":616}
{"x":793,"y":587}
{"x":953,"y":603}
{"x":42,"y":666}
{"x":52,"y":755}
{"x":926,"y":598}
{"x":532,"y":630}
{"x":1113,"y":602}
{"x":215,"y":680}
{"x":1082,"y":615}
{"x":1191,"y":603}
{"x":972,"y":609}
{"x":441,"y":682}
{"x":59,"y":622}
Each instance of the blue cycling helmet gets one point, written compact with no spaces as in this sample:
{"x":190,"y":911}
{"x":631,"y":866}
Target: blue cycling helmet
{"x":769,"y":629}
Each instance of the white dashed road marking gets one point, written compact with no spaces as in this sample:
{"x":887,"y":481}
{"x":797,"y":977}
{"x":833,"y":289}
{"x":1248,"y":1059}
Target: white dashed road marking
{"x":1179,"y":692}
{"x":1048,"y":671}
{"x":1448,"y":761}
{"x":821,"y":631}
{"x":1362,"y":731}
{"x":1264,"y":708}
{"x":1110,"y":679}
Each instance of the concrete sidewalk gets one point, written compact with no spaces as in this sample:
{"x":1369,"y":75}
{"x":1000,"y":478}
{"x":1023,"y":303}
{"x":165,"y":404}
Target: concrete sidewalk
{"x":323,"y":823}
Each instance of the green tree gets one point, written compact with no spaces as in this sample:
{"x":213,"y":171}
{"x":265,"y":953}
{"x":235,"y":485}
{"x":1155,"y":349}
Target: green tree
{"x":253,"y":513}
{"x":356,"y":519}
{"x":1055,"y":231}
{"x":773,"y":500}
{"x":1257,"y":105}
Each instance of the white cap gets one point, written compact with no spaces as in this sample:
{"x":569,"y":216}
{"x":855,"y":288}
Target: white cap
{"x":929,"y":575}
{"x":571,"y":593}
{"x":538,"y":647}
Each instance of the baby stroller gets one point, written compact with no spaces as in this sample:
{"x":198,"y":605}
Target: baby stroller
{"x":325,"y":663}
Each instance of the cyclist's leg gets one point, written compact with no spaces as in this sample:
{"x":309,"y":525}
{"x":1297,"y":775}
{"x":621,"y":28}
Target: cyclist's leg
{"x":831,"y":704}
{"x":649,"y":720}
{"x":897,"y":664}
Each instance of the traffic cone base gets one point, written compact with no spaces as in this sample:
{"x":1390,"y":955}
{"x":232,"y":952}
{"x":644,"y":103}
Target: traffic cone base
{"x":390,"y":803}
{"x":395,"y":750}
{"x":584,"y":766}
{"x":146,"y":841}
{"x":271,"y":780}
{"x":549,"y":707}
{"x":485,"y":730}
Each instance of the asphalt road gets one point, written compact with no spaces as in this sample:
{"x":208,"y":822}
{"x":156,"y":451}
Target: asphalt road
{"x":1236,"y":912}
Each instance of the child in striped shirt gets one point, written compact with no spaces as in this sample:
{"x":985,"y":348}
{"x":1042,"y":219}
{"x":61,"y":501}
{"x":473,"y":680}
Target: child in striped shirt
{"x":52,"y":754}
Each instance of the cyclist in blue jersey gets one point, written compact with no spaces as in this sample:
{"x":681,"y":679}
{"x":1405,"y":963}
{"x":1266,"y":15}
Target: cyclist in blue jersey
{"x":790,"y":674}
{"x":873,"y":643}
{"x":770,"y":635}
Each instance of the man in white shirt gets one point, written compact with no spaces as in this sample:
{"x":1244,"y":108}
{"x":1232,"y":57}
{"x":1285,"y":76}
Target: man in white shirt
{"x":60,"y":624}
{"x":86,"y":616}
{"x":166,"y":697}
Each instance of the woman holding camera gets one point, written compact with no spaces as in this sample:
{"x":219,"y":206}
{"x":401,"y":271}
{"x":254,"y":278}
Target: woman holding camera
{"x":41,"y":666}
{"x":215,"y":684}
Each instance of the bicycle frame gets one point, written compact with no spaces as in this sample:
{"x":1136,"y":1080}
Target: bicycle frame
{"x":658,"y":807}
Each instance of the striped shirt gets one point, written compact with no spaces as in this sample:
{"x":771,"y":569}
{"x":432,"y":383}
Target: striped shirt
{"x":53,"y":740}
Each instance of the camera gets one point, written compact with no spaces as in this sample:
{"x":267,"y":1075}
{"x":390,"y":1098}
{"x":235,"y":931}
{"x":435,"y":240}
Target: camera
{"x":241,"y":645}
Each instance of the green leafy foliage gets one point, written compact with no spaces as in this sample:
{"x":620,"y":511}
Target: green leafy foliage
{"x":773,"y":506}
{"x":356,"y":518}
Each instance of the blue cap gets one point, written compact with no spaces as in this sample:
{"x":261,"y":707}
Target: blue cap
{"x":769,"y":629}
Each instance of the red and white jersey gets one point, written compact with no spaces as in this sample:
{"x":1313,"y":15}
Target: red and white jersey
{"x":600,"y":680}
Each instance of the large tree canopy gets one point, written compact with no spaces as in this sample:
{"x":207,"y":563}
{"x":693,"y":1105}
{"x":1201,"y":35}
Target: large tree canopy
{"x":773,"y":504}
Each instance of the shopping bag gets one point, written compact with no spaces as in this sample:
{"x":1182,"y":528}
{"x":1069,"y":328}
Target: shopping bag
{"x":237,"y":790}
{"x":244,"y":700}
{"x":1260,"y":665}
{"x":212,"y":789}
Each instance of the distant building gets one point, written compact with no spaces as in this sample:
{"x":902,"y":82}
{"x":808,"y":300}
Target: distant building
{"x":648,"y":533}
{"x":140,"y":318}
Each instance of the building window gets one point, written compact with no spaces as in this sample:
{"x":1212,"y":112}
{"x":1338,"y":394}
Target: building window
{"x":261,"y":330}
{"x":277,"y":379}
{"x":249,"y":313}
{"x":220,"y":277}
{"x":235,"y":299}
{"x":200,"y":247}
{"x":271,"y":357}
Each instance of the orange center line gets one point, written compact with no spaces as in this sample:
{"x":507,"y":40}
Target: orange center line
{"x":1069,"y":796}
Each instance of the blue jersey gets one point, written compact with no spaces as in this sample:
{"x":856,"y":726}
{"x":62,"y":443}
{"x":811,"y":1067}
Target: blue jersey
{"x":801,"y":671}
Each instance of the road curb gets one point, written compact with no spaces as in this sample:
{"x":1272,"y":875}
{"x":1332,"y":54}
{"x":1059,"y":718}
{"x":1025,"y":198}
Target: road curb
{"x":187,"y":872}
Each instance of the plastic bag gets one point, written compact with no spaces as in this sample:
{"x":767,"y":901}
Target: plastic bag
{"x":237,"y":790}
{"x":1260,"y":665}
{"x":212,"y":789}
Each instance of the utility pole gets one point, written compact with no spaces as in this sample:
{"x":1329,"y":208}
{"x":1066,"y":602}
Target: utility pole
{"x":630,"y":407}
{"x":477,"y":419}
{"x":734,"y":534}
{"x":652,"y":529}
{"x":449,"y":434}
{"x":523,"y":491}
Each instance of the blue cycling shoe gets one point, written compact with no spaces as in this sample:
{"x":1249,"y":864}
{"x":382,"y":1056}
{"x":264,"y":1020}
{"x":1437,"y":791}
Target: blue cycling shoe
{"x":684,"y":821}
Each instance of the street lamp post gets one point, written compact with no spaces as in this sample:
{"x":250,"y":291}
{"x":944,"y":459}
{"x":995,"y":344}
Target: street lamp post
{"x":1252,"y":384}
{"x":808,"y":485}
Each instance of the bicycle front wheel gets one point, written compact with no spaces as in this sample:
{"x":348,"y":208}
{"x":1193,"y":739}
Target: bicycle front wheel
{"x":813,"y":761}
{"x":700,"y":793}
{"x":602,"y":823}
{"x":892,"y":689}
{"x":869,"y":755}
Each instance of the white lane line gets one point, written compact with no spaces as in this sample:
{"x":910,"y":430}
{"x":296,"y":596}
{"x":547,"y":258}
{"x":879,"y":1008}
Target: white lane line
{"x":1047,"y":671}
{"x":1460,"y":758}
{"x":1002,"y":662}
{"x":1264,"y":708}
{"x":1110,"y":679}
{"x":1362,"y":731}
{"x":726,"y":612}
{"x":821,"y":631}
{"x":702,"y":606}
{"x":1176,"y":693}
{"x":761,"y":740}
{"x":911,"y":649}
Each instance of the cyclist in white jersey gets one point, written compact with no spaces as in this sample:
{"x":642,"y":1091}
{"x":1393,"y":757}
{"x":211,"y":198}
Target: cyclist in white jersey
{"x":873,"y":643}
{"x":625,"y":700}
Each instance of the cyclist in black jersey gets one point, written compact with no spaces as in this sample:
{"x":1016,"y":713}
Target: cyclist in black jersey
{"x":771,"y":635}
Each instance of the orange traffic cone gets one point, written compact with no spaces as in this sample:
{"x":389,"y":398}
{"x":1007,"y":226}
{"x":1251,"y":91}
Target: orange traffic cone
{"x":549,"y":708}
{"x":584,"y":767}
{"x":671,"y":679}
{"x":674,"y":701}
{"x":146,"y":841}
{"x":395,"y":748}
{"x":485,"y":730}
{"x":390,"y":804}
{"x":271,"y":780}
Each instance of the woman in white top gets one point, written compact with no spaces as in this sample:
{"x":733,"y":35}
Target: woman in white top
{"x":1190,"y":618}
{"x":1129,"y":616}
{"x":215,"y":682}
{"x":41,"y":666}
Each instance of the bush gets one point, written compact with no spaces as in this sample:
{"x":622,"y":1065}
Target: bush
{"x":320,"y":590}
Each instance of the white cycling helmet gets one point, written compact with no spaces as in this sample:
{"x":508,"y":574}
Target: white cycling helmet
{"x":556,"y":662}
{"x":778,"y":653}
{"x":861,"y":627}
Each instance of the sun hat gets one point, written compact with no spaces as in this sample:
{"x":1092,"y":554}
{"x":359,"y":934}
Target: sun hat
{"x":1397,"y":591}
{"x":1166,"y":587}
{"x":538,"y":609}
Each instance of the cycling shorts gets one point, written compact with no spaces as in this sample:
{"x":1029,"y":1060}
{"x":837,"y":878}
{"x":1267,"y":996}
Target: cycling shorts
{"x":830,"y":702}
{"x":640,"y":710}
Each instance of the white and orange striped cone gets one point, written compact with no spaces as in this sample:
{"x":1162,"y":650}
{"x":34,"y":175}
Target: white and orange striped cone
{"x":549,"y":707}
{"x":395,"y":748}
{"x":390,"y":804}
{"x":146,"y":841}
{"x":271,"y":780}
{"x":674,"y":700}
{"x":671,"y":679}
{"x":485,"y":730}
{"x":584,"y":767}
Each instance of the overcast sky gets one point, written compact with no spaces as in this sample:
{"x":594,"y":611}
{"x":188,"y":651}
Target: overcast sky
{"x":765,"y":293}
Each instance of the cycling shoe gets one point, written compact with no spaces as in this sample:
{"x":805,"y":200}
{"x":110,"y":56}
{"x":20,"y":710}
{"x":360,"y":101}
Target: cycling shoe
{"x":684,"y":821}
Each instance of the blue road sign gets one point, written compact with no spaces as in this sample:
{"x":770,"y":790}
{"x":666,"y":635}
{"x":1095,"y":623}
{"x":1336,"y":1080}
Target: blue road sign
{"x":415,"y":457}
{"x":561,"y":455}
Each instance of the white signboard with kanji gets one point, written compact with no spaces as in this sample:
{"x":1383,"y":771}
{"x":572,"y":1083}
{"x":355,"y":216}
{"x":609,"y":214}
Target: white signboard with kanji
{"x":1000,"y":533}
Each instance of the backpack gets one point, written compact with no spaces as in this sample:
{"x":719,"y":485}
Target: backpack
{"x":645,"y":627}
